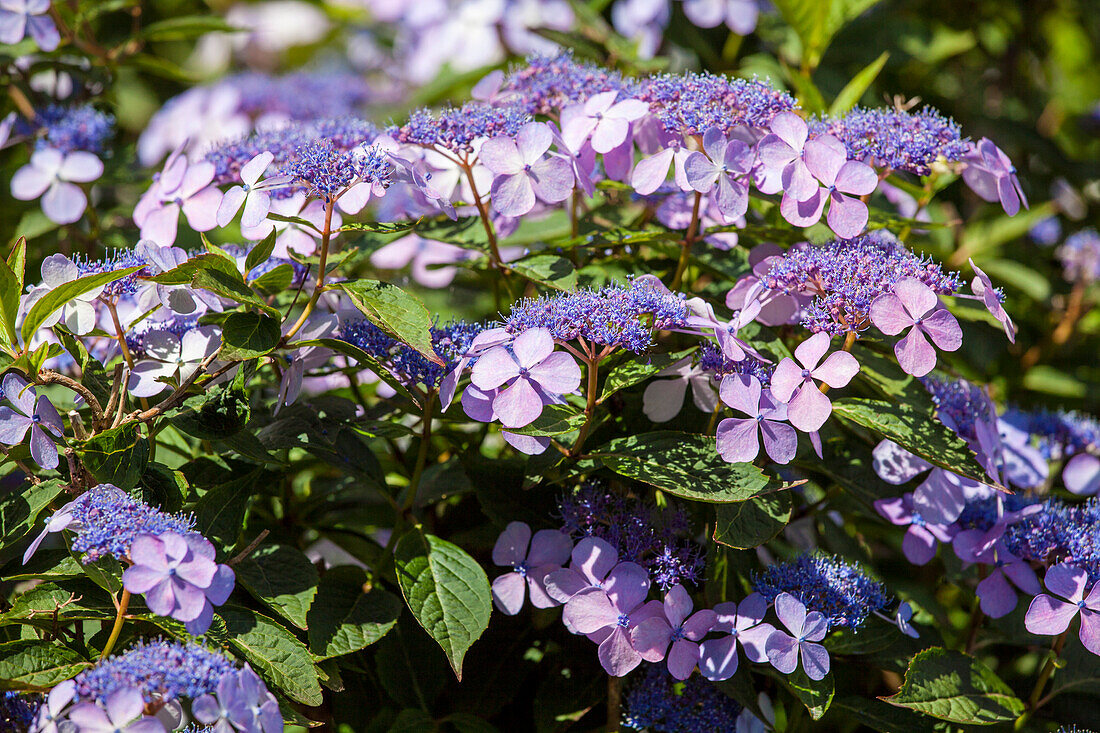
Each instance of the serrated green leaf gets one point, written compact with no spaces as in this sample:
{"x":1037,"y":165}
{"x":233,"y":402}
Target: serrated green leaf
{"x":956,"y":687}
{"x":185,"y":272}
{"x":378,"y":227}
{"x":396,"y":312}
{"x":346,"y":617}
{"x":52,"y":301}
{"x":37,"y":665}
{"x":248,"y":336}
{"x":685,"y":465}
{"x":19,"y":511}
{"x":747,"y":524}
{"x":638,"y":369}
{"x":10,"y":288}
{"x":446,"y":590}
{"x":116,"y":456}
{"x":221,"y":512}
{"x":816,"y":696}
{"x":163,"y":487}
{"x":233,"y":288}
{"x":216,"y":415}
{"x":281,"y":578}
{"x":550,"y":270}
{"x":916,"y":431}
{"x":261,"y":252}
{"x":274,"y":652}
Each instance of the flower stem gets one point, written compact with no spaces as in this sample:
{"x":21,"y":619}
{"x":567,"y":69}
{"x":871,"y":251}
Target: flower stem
{"x":326,"y":236}
{"x":123,"y":604}
{"x":614,"y":702}
{"x":686,"y":242}
{"x":1044,"y":677}
{"x":849,"y":340}
{"x":483,"y":211}
{"x":422,"y":453}
{"x":592,"y":363}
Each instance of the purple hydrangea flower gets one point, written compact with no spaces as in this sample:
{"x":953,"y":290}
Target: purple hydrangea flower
{"x":171,"y":356}
{"x":79,"y":314}
{"x":592,"y":560}
{"x":242,"y":703}
{"x":160,"y":670}
{"x":19,"y":18}
{"x":54,"y":708}
{"x":53,"y":175}
{"x":725,"y":165}
{"x":524,"y":172}
{"x":33,"y":413}
{"x":122,"y":712}
{"x":824,"y":159}
{"x":251,"y":194}
{"x":991,"y":175}
{"x":784,"y":649}
{"x":609,"y":615}
{"x":1049,"y":615}
{"x":909,"y":306}
{"x":182,"y":186}
{"x":602,"y":120}
{"x":531,"y":560}
{"x":526,"y":371}
{"x":807,"y":407}
{"x":664,"y":396}
{"x":742,"y":623}
{"x":921,"y":536}
{"x":739,"y":438}
{"x":676,"y":634}
{"x":995,"y":590}
{"x":738,"y":15}
{"x":782,"y":152}
{"x":179,"y":578}
{"x":1082,"y":474}
{"x":982,"y":286}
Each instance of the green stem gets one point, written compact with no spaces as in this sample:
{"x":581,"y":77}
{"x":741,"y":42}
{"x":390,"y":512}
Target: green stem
{"x":326,"y":236}
{"x":422,"y":453}
{"x":686,"y":242}
{"x":1044,"y":677}
{"x":123,"y":604}
{"x":590,"y":406}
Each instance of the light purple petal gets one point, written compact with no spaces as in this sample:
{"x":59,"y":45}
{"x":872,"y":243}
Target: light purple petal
{"x":627,"y":586}
{"x":738,"y":440}
{"x":847,"y":215}
{"x":513,"y":194}
{"x":509,"y":591}
{"x":809,"y":408}
{"x":494,"y":368}
{"x":943,"y":329}
{"x":682,"y":658}
{"x":558,"y":373}
{"x":837,"y":370}
{"x":64,"y":203}
{"x":589,"y":611}
{"x":782,"y":651}
{"x":549,"y":547}
{"x":915,"y":355}
{"x":650,"y":639}
{"x":786,"y":378}
{"x":1049,"y":616}
{"x":1081,"y":474}
{"x":718,"y":658}
{"x":815,"y":660}
{"x":616,"y":654}
{"x":791,"y":612}
{"x":511,"y":545}
{"x":1067,"y":581}
{"x":997,"y":597}
{"x":518,"y":405}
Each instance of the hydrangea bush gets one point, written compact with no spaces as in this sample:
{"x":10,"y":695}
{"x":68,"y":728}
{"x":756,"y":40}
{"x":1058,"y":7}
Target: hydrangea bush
{"x":346,"y":351}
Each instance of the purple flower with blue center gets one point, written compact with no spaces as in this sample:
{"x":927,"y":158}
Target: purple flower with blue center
{"x":531,"y":558}
{"x":741,"y":624}
{"x":1051,"y":615}
{"x":241,"y":703}
{"x":722,"y":169}
{"x":32,"y":413}
{"x":807,"y":407}
{"x":806,"y":629}
{"x":521,"y":375}
{"x":915,"y":306}
{"x":121,"y":712}
{"x":921,"y":536}
{"x":675,"y":635}
{"x":839,"y":589}
{"x":21,"y":18}
{"x":739,"y":438}
{"x":53,"y":176}
{"x":179,"y":577}
{"x":524,"y":172}
{"x":602,"y":119}
{"x":991,"y":174}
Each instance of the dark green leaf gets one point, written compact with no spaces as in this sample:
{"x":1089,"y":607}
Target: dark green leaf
{"x":275,"y":280}
{"x":163,"y":487}
{"x":347,"y":616}
{"x":396,"y":312}
{"x":293,"y":220}
{"x":551,"y":270}
{"x":282,"y":578}
{"x":260,"y":253}
{"x":185,"y":273}
{"x":220,"y":513}
{"x":751,"y":523}
{"x":37,"y":665}
{"x":686,"y":465}
{"x":446,"y":590}
{"x":554,"y":420}
{"x":116,"y":456}
{"x":816,"y":696}
{"x":274,"y":652}
{"x":638,"y":369}
{"x":20,"y":508}
{"x":92,"y":374}
{"x":10,"y":289}
{"x":916,"y":431}
{"x":378,"y":227}
{"x":214,"y":416}
{"x":953,"y":686}
{"x":248,"y":336}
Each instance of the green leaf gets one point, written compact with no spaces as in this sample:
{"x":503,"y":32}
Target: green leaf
{"x":214,"y":416}
{"x":293,"y":220}
{"x":686,"y":465}
{"x":248,"y":336}
{"x":116,"y":456}
{"x":639,"y":369}
{"x":260,"y":253}
{"x":275,"y":280}
{"x":20,"y":508}
{"x":916,"y":431}
{"x":52,"y":301}
{"x":185,"y":28}
{"x":37,"y":665}
{"x":855,"y":89}
{"x":364,"y":359}
{"x":446,"y":590}
{"x":816,"y":696}
{"x":378,"y":227}
{"x":282,"y":578}
{"x":751,"y":523}
{"x":956,"y":687}
{"x":10,"y":288}
{"x":877,"y":715}
{"x":554,"y":420}
{"x":185,"y":273}
{"x":220,"y":513}
{"x":550,"y":270}
{"x":348,"y":615}
{"x":92,"y":374}
{"x":467,"y":232}
{"x":817,"y":21}
{"x":396,"y":312}
{"x":231,"y":287}
{"x":163,"y":487}
{"x":274,"y":652}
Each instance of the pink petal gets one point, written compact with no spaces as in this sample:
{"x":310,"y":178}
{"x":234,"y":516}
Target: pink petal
{"x":915,"y":355}
{"x":558,"y":373}
{"x":810,"y":351}
{"x":518,"y":405}
{"x":1049,"y":616}
{"x":494,"y":368}
{"x":509,"y":591}
{"x":1090,"y":631}
{"x":806,"y":212}
{"x":80,"y":167}
{"x":742,"y":393}
{"x":943,"y":329}
{"x":532,"y":346}
{"x":889,"y":315}
{"x":785,"y":380}
{"x":231,"y":204}
{"x":738,"y":440}
{"x":837,"y":370}
{"x":201,"y":210}
{"x":780,"y":441}
{"x":917,"y":297}
{"x":650,"y":639}
{"x":790,"y":128}
{"x":258,"y":204}
{"x":856,"y":178}
{"x":824,"y":157}
{"x":809,"y":408}
{"x":847,"y":216}
{"x":651,"y":172}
